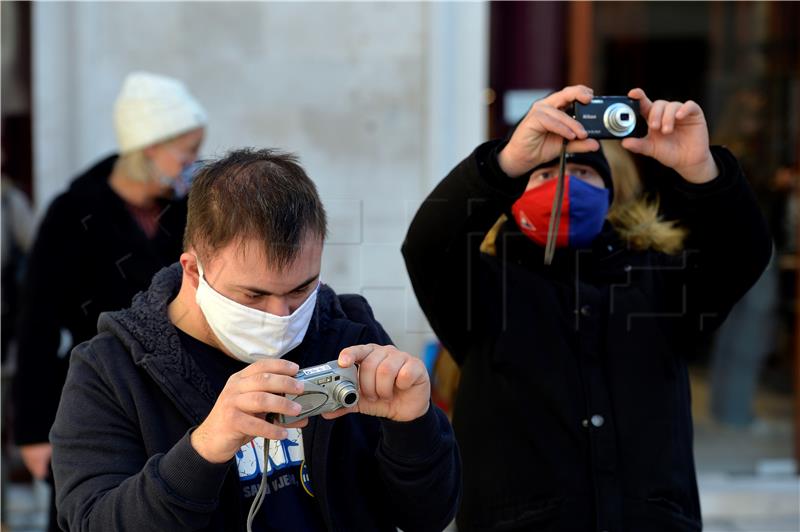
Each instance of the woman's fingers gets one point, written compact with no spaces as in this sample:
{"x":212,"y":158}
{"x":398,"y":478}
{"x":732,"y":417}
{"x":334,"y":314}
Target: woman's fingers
{"x":689,"y":109}
{"x":644,"y":102}
{"x":656,"y":113}
{"x":574,"y":127}
{"x":583,"y":146}
{"x":642,"y":146}
{"x":554,"y":124}
{"x":567,"y":95}
{"x":668,"y":119}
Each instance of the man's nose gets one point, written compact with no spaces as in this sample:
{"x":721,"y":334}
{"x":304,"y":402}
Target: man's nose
{"x":278,"y":306}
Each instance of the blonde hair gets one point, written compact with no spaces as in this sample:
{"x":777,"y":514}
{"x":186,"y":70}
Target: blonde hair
{"x":632,"y":214}
{"x":136,"y":166}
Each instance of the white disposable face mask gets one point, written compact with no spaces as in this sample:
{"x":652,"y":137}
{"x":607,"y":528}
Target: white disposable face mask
{"x":251,"y":334}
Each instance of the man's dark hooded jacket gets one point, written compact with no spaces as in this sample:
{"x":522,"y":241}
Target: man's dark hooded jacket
{"x":573,"y":412}
{"x":122,"y":457}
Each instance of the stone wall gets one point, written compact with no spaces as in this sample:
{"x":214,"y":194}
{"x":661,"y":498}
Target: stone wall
{"x":378,"y":99}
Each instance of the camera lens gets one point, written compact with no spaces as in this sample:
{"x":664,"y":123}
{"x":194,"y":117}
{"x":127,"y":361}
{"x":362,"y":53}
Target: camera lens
{"x":345,"y":393}
{"x":350,"y":398}
{"x":619,"y":119}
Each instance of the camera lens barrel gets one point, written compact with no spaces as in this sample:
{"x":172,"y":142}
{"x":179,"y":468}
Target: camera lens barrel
{"x":350,"y":399}
{"x":346,"y":394}
{"x":619,"y":119}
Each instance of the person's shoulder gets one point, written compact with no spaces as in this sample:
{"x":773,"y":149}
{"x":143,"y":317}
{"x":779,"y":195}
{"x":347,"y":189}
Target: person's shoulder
{"x":63,"y":215}
{"x":91,"y":179}
{"x":84,"y":192}
{"x":356,"y":308}
{"x":105,"y":351}
{"x":341,"y":308}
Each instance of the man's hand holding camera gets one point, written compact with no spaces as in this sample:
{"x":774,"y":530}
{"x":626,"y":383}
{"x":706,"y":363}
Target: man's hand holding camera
{"x":677,"y":135}
{"x":392,"y":384}
{"x":240,"y":412}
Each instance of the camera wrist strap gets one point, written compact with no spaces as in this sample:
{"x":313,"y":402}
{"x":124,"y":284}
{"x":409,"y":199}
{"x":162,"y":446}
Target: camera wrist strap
{"x":261,"y":493}
{"x":555,"y":213}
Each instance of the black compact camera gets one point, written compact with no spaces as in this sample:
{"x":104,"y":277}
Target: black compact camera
{"x":611,"y":117}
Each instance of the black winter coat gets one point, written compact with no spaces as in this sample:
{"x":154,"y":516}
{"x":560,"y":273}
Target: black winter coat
{"x":90,"y":256}
{"x":123,"y":460}
{"x":573,"y":412}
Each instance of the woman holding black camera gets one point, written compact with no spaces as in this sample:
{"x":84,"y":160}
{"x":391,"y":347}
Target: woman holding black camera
{"x":573,"y":412}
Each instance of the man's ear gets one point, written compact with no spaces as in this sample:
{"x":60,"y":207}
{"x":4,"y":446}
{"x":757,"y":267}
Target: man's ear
{"x":190,"y":271}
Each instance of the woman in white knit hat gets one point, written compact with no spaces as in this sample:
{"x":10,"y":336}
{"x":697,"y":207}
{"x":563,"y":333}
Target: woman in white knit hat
{"x":100,"y":243}
{"x":159,"y":127}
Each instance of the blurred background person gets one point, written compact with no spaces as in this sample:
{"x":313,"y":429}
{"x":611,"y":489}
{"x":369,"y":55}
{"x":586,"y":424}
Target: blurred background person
{"x":15,"y":240}
{"x":17,"y":233}
{"x":750,"y":334}
{"x":742,"y":345}
{"x":100,"y":242}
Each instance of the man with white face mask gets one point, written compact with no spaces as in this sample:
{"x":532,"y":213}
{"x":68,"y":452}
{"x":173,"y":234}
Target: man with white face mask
{"x":169,"y":406}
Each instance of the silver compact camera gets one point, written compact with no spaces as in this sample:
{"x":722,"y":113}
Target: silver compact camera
{"x":611,"y":117}
{"x":328,"y":387}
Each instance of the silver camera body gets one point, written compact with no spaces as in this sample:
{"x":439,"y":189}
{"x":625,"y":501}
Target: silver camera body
{"x":328,"y":387}
{"x":611,"y":117}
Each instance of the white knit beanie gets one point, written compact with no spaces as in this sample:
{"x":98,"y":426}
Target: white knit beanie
{"x":151,"y":108}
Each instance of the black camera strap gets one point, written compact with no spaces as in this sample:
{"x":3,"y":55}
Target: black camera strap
{"x":555,"y":213}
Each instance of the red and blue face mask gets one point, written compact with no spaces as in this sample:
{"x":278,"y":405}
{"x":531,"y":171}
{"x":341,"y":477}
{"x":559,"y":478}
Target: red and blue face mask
{"x":582,"y":214}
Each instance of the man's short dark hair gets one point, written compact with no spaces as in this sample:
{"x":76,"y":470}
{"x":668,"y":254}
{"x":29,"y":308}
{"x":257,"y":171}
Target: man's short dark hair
{"x":254,"y":194}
